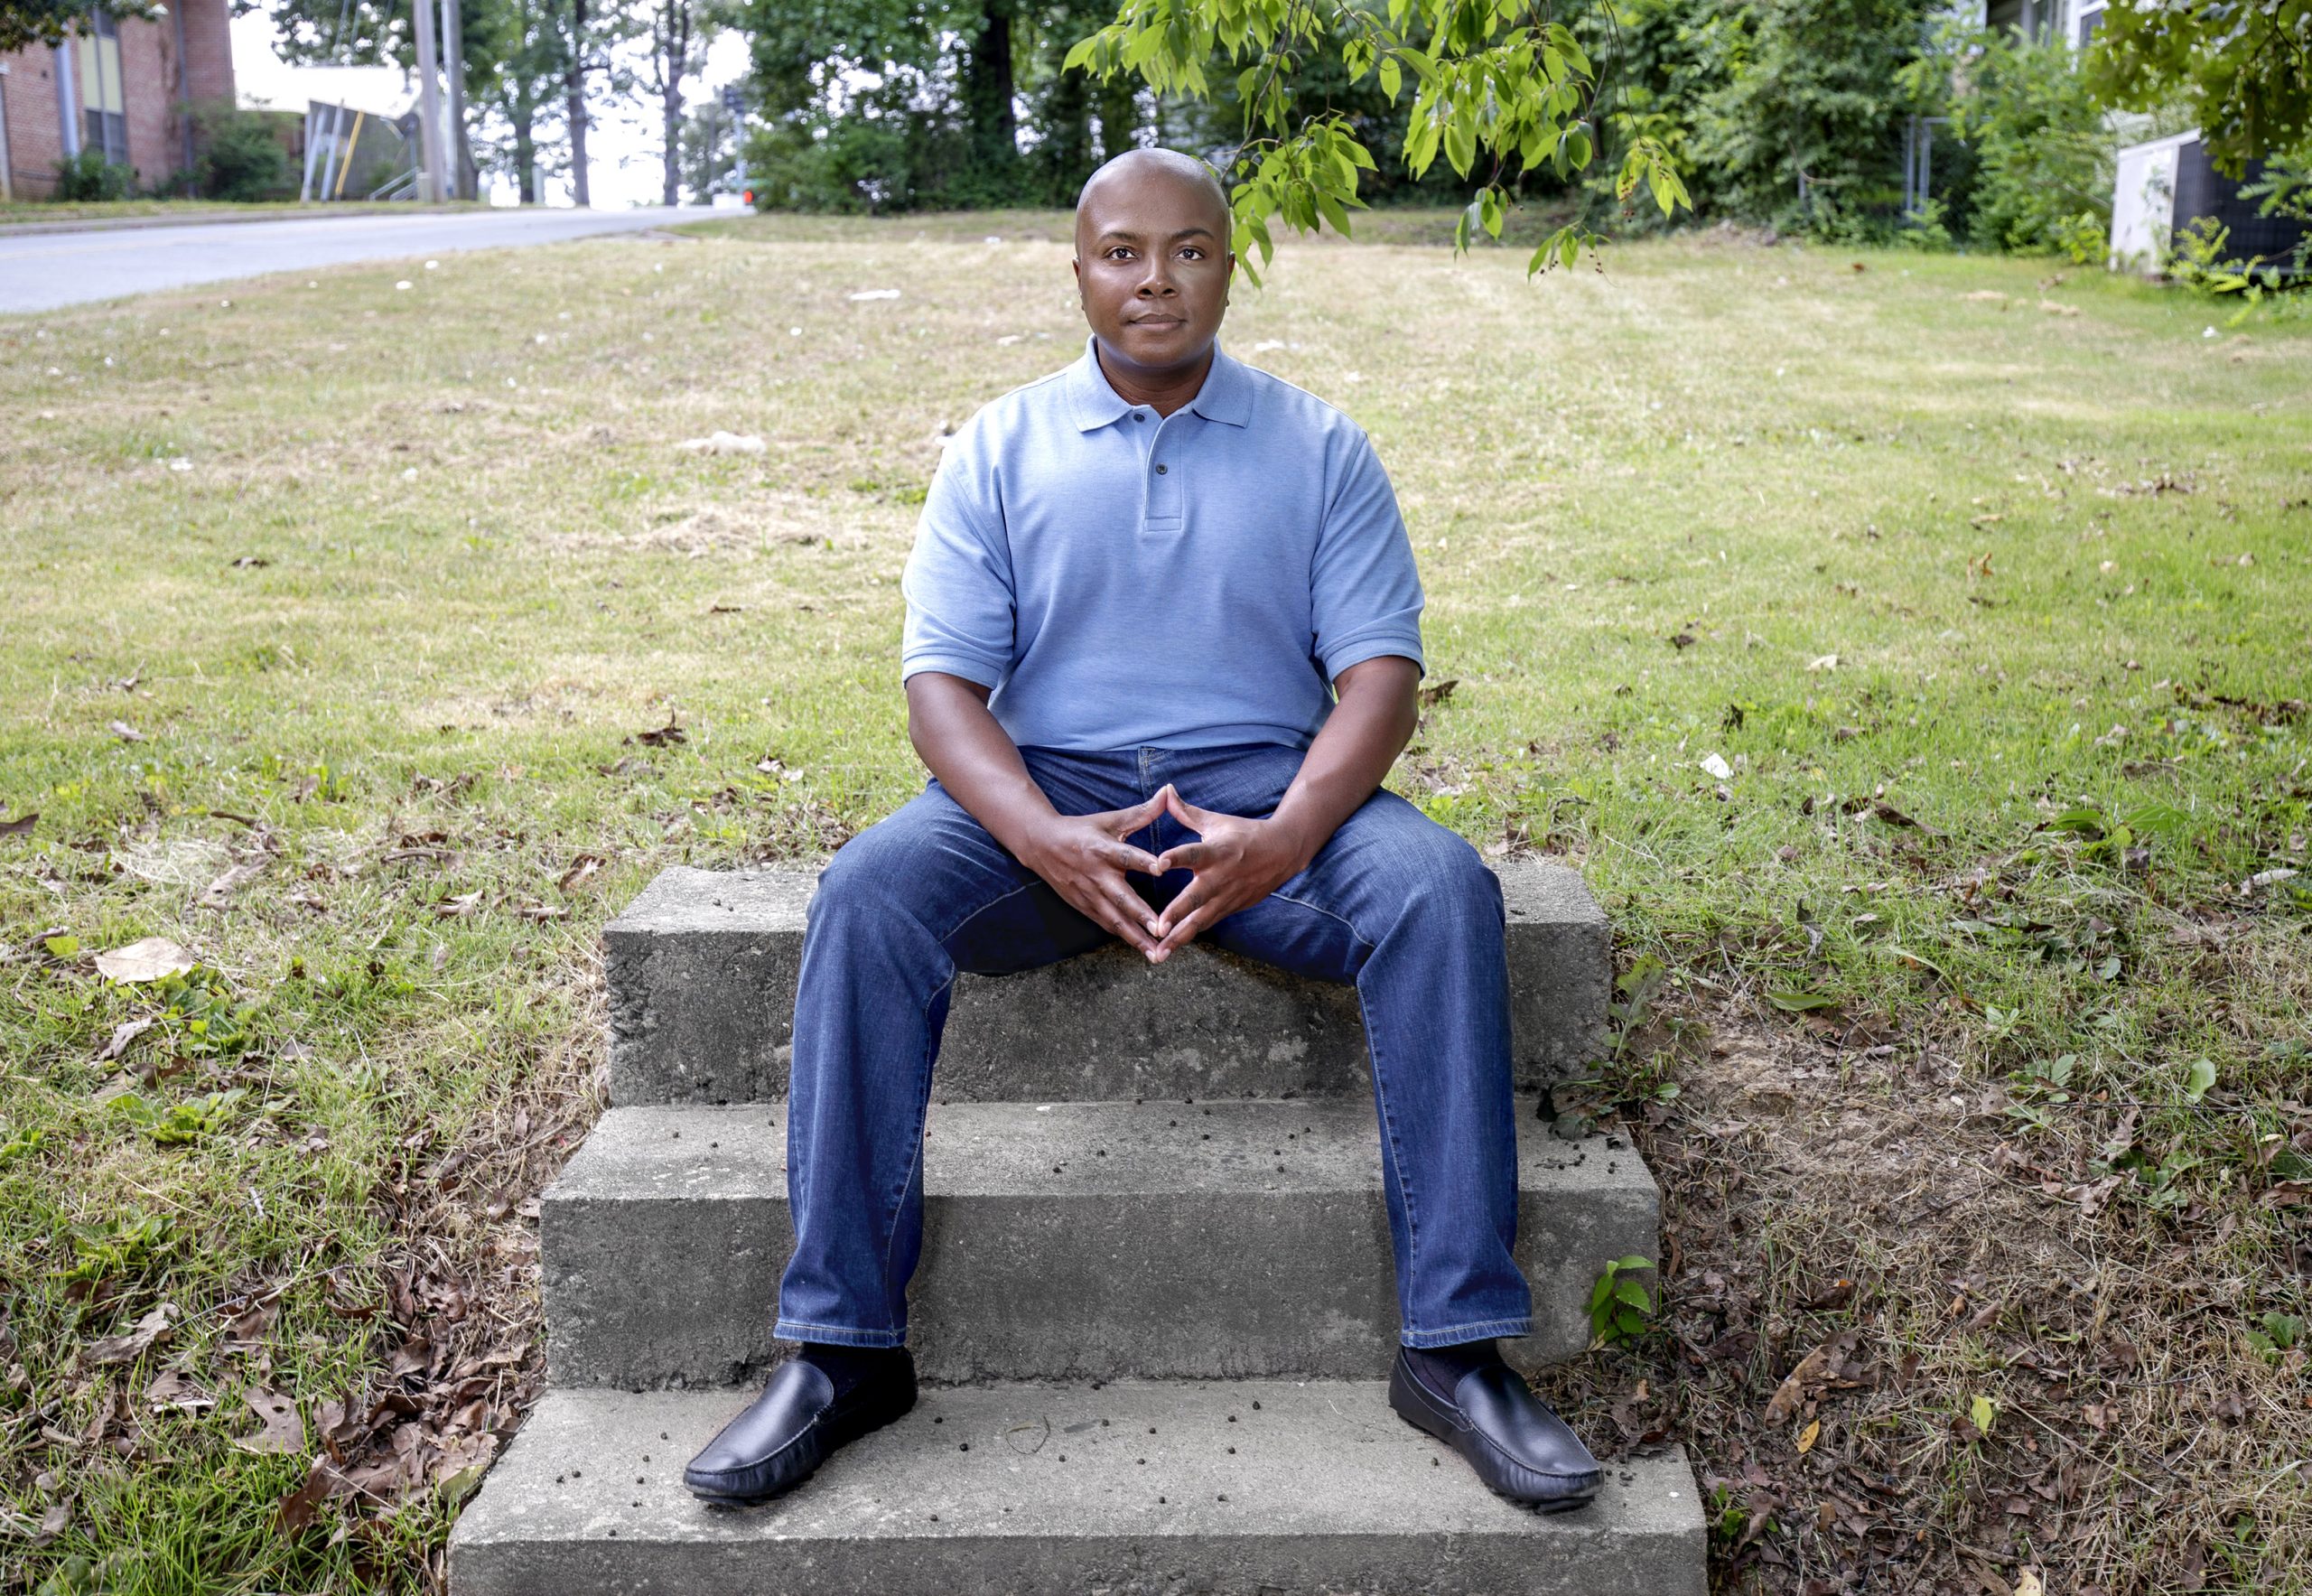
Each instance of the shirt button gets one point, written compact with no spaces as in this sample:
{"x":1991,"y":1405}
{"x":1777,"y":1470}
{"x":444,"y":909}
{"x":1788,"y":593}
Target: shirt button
{"x":1140,"y":416}
{"x":1163,"y":469}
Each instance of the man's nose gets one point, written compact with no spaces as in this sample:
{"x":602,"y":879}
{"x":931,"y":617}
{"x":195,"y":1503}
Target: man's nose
{"x":1157,"y":279}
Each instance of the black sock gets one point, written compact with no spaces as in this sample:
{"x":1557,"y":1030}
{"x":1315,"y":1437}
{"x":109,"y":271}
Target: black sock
{"x":847,"y":1365}
{"x":1440,"y":1368}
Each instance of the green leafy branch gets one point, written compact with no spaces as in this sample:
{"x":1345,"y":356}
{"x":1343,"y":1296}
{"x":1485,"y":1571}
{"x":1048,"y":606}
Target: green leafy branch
{"x":1498,"y":84}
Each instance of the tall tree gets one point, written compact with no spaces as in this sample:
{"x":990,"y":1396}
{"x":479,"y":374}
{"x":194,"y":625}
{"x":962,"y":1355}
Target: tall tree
{"x":709,"y":143}
{"x":592,"y":34}
{"x":988,"y":93}
{"x":524,"y":50}
{"x":1060,"y":100}
{"x":680,"y":30}
{"x":573,"y":103}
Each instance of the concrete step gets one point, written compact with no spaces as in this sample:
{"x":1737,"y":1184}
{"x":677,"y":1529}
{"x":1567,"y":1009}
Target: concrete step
{"x":1128,"y":1489}
{"x":1061,"y":1240}
{"x":702,"y":971}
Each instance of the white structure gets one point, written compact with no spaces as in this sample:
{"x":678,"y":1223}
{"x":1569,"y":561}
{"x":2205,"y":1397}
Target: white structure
{"x":2143,"y":202}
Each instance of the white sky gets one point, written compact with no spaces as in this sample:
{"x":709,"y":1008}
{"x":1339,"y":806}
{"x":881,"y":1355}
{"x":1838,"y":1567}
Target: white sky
{"x":623,"y":144}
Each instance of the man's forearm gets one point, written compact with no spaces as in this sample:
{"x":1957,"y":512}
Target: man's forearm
{"x":1377,"y":707}
{"x":961,"y":742}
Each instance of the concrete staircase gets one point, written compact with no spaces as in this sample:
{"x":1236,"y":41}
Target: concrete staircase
{"x":1155,"y":1309}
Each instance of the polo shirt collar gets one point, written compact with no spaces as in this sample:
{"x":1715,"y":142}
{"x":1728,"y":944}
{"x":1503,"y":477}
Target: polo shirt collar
{"x":1226,"y":395}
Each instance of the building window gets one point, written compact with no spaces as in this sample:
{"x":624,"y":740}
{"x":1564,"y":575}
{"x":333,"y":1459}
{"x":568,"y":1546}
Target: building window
{"x":2091,"y":19}
{"x":104,"y":111}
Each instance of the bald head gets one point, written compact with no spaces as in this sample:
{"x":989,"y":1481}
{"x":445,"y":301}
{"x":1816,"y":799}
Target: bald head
{"x":1135,"y":170}
{"x":1152,"y":268}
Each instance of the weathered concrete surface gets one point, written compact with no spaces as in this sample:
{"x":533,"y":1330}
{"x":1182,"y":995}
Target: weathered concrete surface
{"x":1023,"y":1491}
{"x":1061,"y":1240}
{"x":702,"y":970}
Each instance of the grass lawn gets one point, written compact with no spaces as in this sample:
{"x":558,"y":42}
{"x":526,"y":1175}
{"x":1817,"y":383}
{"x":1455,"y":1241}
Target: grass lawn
{"x":1911,"y":652}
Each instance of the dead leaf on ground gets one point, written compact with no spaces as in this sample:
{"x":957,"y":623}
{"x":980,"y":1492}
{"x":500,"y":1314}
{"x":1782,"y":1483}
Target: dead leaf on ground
{"x":251,"y":1328}
{"x":126,"y":1032}
{"x":283,"y":1430}
{"x":664,"y":736}
{"x":459,"y":907}
{"x":248,"y":867}
{"x":1792,"y":1392}
{"x":1434,"y":696}
{"x":1882,"y":810}
{"x":123,"y":730}
{"x":296,"y":1510}
{"x":176,"y":1389}
{"x":581,"y":868}
{"x":147,"y":1333}
{"x":53,"y":1523}
{"x":148,"y":960}
{"x":20,"y":825}
{"x":462,"y":1463}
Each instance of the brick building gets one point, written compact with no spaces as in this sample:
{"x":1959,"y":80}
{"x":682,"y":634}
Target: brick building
{"x":121,"y":88}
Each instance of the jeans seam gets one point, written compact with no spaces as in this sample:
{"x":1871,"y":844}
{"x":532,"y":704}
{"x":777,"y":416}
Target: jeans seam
{"x":1316,"y":908}
{"x":956,"y":928}
{"x":812,"y":1324}
{"x":915,"y":1158}
{"x":1519,"y":1326}
{"x":1380,"y":1097}
{"x":1396,"y":1162}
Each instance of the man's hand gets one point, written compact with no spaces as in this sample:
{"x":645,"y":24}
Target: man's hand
{"x":1238,"y":862}
{"x":1083,"y":857}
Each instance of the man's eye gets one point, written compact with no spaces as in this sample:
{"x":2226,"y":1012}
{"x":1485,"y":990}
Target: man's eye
{"x":1192,"y":253}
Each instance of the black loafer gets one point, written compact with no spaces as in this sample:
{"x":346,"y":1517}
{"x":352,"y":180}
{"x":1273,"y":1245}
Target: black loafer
{"x":789,"y":1429}
{"x":1518,"y":1447}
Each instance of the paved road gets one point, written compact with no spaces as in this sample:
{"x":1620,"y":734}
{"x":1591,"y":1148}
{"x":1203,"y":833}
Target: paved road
{"x":44,"y":270}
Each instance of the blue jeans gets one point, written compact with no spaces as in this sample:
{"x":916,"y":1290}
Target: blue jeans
{"x":1394,"y":902}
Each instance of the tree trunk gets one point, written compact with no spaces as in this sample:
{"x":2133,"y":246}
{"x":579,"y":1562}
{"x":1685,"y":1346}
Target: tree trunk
{"x":1119,"y":116}
{"x":1066,"y":148}
{"x":675,"y":63}
{"x":988,"y":92}
{"x":523,"y":115}
{"x":574,"y":86}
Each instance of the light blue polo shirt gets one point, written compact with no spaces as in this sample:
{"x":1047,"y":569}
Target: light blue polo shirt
{"x":1125,"y":580}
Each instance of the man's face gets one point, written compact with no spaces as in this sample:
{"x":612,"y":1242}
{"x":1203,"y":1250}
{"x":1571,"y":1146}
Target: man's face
{"x":1152,"y":266}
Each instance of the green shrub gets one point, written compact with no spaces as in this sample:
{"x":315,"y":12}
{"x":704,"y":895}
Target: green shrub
{"x":1805,"y":131}
{"x":2039,"y":179}
{"x":88,"y":176}
{"x":241,"y":157}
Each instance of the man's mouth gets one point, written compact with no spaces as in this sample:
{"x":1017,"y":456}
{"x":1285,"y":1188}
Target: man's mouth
{"x":1159,"y":323}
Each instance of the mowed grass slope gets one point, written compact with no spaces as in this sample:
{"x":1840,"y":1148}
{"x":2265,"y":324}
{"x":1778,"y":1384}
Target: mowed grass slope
{"x":339,"y":609}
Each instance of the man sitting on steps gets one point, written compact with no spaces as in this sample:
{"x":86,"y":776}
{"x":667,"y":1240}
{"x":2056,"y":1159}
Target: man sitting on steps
{"x":1162,"y":644}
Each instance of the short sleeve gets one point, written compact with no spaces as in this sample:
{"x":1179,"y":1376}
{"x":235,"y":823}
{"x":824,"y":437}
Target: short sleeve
{"x":957,"y":582}
{"x":1364,"y":592}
